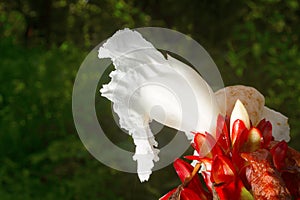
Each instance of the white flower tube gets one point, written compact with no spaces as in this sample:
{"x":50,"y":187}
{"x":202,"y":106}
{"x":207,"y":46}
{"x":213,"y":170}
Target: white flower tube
{"x":145,"y":86}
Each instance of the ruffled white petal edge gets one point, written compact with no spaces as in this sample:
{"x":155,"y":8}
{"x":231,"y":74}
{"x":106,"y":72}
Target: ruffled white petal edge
{"x":280,"y":126}
{"x":123,"y":48}
{"x":163,"y":81}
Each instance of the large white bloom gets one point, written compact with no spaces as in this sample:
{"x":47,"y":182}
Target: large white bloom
{"x":144,"y":80}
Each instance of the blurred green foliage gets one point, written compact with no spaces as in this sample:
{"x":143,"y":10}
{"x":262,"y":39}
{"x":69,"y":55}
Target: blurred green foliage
{"x":253,"y":42}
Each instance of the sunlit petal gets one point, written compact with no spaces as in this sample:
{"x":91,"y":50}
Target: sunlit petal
{"x":239,"y":112}
{"x":252,"y":99}
{"x":280,"y":126}
{"x":147,"y":86}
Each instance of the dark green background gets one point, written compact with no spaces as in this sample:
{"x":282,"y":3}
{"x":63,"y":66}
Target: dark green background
{"x":43,"y":43}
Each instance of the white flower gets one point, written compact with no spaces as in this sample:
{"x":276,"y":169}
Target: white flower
{"x":144,"y":80}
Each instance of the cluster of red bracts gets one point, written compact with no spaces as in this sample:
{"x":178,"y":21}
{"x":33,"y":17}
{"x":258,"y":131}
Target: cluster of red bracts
{"x":239,"y":164}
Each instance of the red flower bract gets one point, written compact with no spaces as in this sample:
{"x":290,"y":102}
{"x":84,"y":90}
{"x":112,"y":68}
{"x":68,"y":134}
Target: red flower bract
{"x":239,"y":164}
{"x":222,"y":170}
{"x":187,"y":190}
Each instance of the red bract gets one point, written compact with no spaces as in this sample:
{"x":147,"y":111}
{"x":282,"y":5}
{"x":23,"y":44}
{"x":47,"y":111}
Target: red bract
{"x":222,"y":134}
{"x":239,"y":164}
{"x":227,"y":183}
{"x":288,"y":163}
{"x":279,"y":153}
{"x":266,"y":182}
{"x":222,"y":170}
{"x":184,"y":171}
{"x":181,"y":193}
{"x":205,"y":145}
{"x":189,"y":194}
{"x":266,"y":129}
{"x":237,"y":130}
{"x":191,"y":187}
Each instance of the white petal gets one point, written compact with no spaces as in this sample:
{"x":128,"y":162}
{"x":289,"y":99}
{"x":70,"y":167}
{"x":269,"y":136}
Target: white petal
{"x":145,"y":80}
{"x":252,"y":99}
{"x":208,"y":109}
{"x":239,"y":112}
{"x":280,"y":126}
{"x":254,"y":102}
